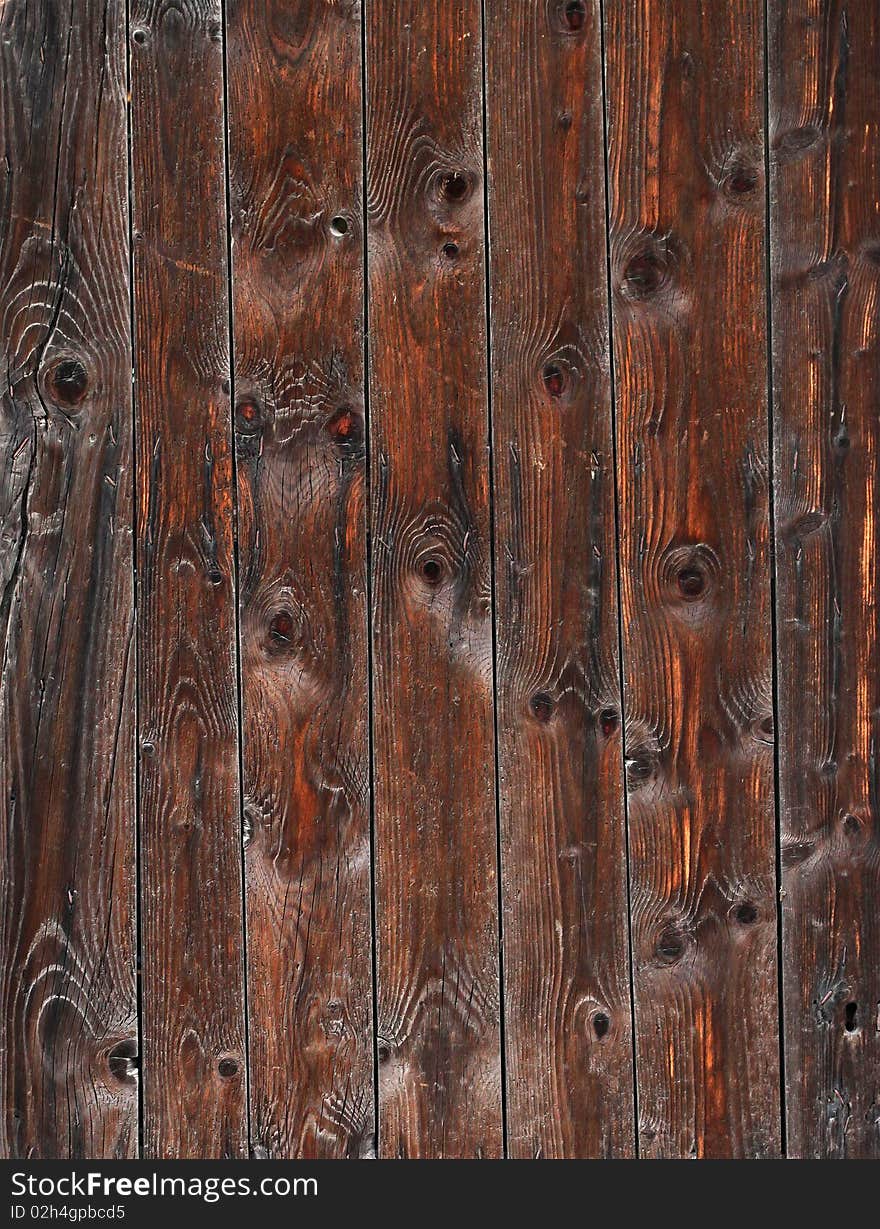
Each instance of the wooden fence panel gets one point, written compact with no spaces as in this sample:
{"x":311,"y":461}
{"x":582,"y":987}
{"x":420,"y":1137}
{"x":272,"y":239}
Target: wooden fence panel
{"x":825,"y":170}
{"x":435,"y":830}
{"x":685,"y":105}
{"x":567,"y":1001}
{"x":191,"y":908}
{"x":296,"y":203}
{"x":68,"y":1005}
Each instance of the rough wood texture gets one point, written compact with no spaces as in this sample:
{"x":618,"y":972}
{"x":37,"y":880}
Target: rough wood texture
{"x":68,"y":1024}
{"x":825,"y":112}
{"x":685,"y":148}
{"x":563,"y":858}
{"x":193,"y":991}
{"x":239,"y":501}
{"x":436,"y":903}
{"x":295,"y":167}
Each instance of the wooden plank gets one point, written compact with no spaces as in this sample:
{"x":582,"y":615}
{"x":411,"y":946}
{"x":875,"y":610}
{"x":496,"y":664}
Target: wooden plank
{"x":295,"y":171}
{"x":68,"y":1012}
{"x":193,"y":1014}
{"x":567,"y":1001}
{"x":435,"y":833}
{"x":686,"y":155}
{"x":825,"y":132}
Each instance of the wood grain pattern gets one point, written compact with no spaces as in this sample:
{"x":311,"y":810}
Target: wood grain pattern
{"x":193,"y":989}
{"x":685,"y":149}
{"x":567,"y":999}
{"x":825,"y":230}
{"x":436,"y":875}
{"x":295,"y":168}
{"x":68,"y":1026}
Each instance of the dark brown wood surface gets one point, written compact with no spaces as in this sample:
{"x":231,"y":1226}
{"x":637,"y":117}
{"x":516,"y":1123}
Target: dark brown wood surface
{"x":687,"y":225}
{"x":563,"y":855}
{"x":825,"y":246}
{"x":191,"y":850}
{"x":438,"y":1021}
{"x":297,"y":207}
{"x":437,"y":442}
{"x":68,"y":1008}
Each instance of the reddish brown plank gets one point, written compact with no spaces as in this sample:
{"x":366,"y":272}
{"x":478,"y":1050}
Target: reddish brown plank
{"x":686,"y":153}
{"x":825,"y":248}
{"x":193,"y":993}
{"x":295,"y":172}
{"x":567,"y":1003}
{"x":68,"y":1026}
{"x":435,"y":834}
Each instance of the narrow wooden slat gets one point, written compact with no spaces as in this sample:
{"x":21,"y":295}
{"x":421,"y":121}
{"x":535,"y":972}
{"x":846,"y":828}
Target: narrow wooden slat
{"x":825,"y":248}
{"x":193,"y":1015}
{"x":567,"y":1006}
{"x":68,"y":1014}
{"x":435,"y":834}
{"x":685,"y":147}
{"x":295,"y":170}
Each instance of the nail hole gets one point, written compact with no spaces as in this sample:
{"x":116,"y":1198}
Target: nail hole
{"x":670,"y":946}
{"x":691,"y":582}
{"x":746,"y":913}
{"x":432,"y":570}
{"x":643,"y":274}
{"x":851,"y":1017}
{"x":140,"y":37}
{"x":742,"y":180}
{"x":575,"y":14}
{"x":851,"y":823}
{"x":608,"y":721}
{"x":450,"y":250}
{"x":601,"y":1024}
{"x":247,"y":414}
{"x":554,"y":379}
{"x":69,"y":381}
{"x":542,"y":706}
{"x":339,"y":226}
{"x":215,"y":576}
{"x":122,"y":1060}
{"x":454,"y":186}
{"x":281,"y":627}
{"x":345,"y":426}
{"x":227,"y":1067}
{"x":639,"y":769}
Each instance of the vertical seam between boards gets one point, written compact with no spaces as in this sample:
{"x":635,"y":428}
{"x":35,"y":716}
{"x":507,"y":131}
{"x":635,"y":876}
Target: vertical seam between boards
{"x":487,"y":273}
{"x":777,"y":800}
{"x":618,"y":569}
{"x":235,"y":583}
{"x":368,"y":483}
{"x":138,"y":921}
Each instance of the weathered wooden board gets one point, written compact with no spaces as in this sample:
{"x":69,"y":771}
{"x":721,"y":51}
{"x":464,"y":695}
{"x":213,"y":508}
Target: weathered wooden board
{"x":563,"y":857}
{"x":435,"y":831}
{"x":297,"y":209}
{"x":686,"y":181}
{"x":191,"y":909}
{"x":825,"y":247}
{"x":68,"y":1016}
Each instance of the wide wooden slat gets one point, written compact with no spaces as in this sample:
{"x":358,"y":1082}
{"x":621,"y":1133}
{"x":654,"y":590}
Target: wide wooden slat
{"x":435,"y":832}
{"x":685,"y":147}
{"x":295,"y":170}
{"x":825,"y":247}
{"x":193,"y":993}
{"x":567,"y":1003}
{"x":68,"y":1016}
